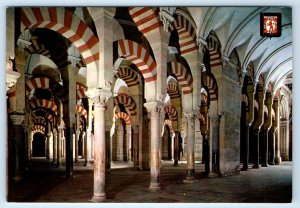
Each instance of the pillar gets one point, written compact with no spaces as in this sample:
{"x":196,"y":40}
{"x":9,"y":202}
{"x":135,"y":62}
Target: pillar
{"x":246,"y":148}
{"x":190,"y":117}
{"x":155,"y":109}
{"x":135,"y":139}
{"x":87,"y":136}
{"x":127,"y":155}
{"x":272,"y":146}
{"x":120,"y":140}
{"x":100,"y":145}
{"x":256,"y":148}
{"x":48,"y":145}
{"x":176,"y":146}
{"x":54,"y":146}
{"x":77,"y":132}
{"x":214,"y":146}
{"x":59,"y":140}
{"x":277,"y":132}
{"x":17,"y":119}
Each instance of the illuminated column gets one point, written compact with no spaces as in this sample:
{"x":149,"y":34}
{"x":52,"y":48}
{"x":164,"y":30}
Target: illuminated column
{"x":88,"y":136}
{"x":99,"y":145}
{"x":77,"y":132}
{"x":154,"y":108}
{"x":277,"y":133}
{"x":214,"y":145}
{"x":54,"y":146}
{"x":257,"y":125}
{"x":59,"y":140}
{"x":176,"y":145}
{"x":128,"y":143}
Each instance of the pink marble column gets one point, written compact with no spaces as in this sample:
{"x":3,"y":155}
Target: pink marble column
{"x":100,"y":146}
{"x":190,"y":178}
{"x":155,"y":110}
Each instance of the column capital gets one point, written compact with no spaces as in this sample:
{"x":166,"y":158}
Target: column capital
{"x":154,"y":106}
{"x":215,"y":119}
{"x":11,"y":79}
{"x":24,"y":40}
{"x":99,"y":96}
{"x":166,"y":16}
{"x":17,"y":118}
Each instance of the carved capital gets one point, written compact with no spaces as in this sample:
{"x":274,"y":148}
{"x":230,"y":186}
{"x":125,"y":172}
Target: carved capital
{"x":166,"y":16}
{"x":74,"y":55}
{"x":215,"y":119}
{"x":11,"y":79}
{"x":154,"y":106}
{"x":17,"y":119}
{"x":24,"y":40}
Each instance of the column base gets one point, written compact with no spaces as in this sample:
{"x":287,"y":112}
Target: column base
{"x":264,"y":165}
{"x":255,"y":166}
{"x":87,"y":164}
{"x":190,"y":179}
{"x":244,"y":169}
{"x":213,"y":175}
{"x":176,"y":163}
{"x":100,"y":198}
{"x":277,"y":160}
{"x":154,"y":187}
{"x":271,"y":163}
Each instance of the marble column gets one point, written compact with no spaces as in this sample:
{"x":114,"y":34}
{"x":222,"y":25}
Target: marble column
{"x":17,"y":120}
{"x":136,"y":146}
{"x":100,"y":145}
{"x":127,"y":155}
{"x":155,"y":109}
{"x":277,"y":132}
{"x":214,"y":146}
{"x":176,"y":146}
{"x":48,"y":145}
{"x":77,"y":132}
{"x":256,"y":148}
{"x":54,"y":146}
{"x":190,"y":178}
{"x":246,"y":148}
{"x":59,"y":140}
{"x":86,"y":136}
{"x":272,"y":146}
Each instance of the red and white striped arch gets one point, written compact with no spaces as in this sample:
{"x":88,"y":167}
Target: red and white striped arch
{"x":184,"y":78}
{"x":211,"y":85}
{"x":128,"y":75}
{"x":187,"y":35}
{"x":214,"y":48}
{"x":65,"y":23}
{"x":123,"y":116}
{"x":80,"y":90}
{"x":171,"y":111}
{"x":173,"y":90}
{"x":44,"y":103}
{"x":37,"y":83}
{"x":146,"y":19}
{"x":135,"y":53}
{"x":48,"y":115}
{"x":80,"y":109}
{"x":40,"y":120}
{"x":127,"y":101}
{"x":38,"y":128}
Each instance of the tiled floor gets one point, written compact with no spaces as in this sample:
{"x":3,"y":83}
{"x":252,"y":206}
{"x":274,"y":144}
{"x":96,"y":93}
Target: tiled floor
{"x":45,"y":183}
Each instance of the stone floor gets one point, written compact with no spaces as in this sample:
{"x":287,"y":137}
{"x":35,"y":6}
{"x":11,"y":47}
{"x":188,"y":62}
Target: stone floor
{"x":45,"y":183}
